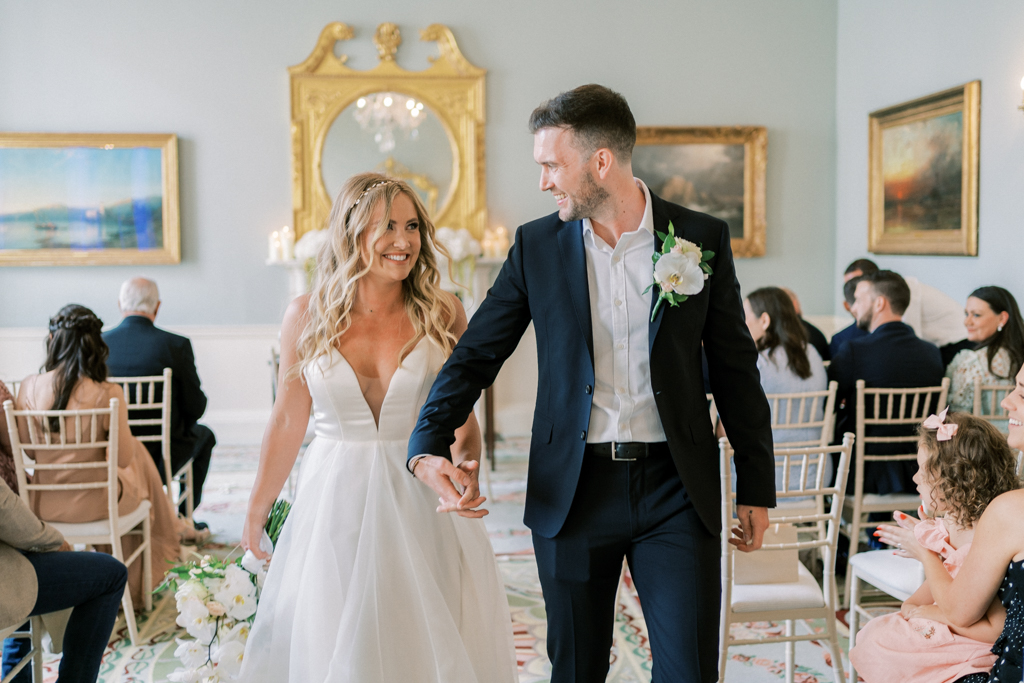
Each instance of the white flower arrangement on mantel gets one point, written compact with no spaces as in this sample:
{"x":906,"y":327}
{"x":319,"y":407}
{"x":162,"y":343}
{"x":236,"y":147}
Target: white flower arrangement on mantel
{"x":464,"y":250}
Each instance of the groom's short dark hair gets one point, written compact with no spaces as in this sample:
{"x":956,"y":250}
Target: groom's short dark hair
{"x":599,"y":117}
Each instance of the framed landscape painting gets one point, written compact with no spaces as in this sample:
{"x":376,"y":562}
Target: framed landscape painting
{"x":715,"y":170}
{"x":923,"y":175}
{"x":88,"y":199}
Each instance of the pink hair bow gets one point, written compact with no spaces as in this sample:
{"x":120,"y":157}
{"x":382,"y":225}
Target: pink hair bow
{"x":946,"y":430}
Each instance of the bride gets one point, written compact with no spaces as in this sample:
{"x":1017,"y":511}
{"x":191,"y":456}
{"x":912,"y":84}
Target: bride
{"x":369,"y":584}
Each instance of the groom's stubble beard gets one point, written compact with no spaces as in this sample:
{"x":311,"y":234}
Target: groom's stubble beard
{"x":586,"y":203}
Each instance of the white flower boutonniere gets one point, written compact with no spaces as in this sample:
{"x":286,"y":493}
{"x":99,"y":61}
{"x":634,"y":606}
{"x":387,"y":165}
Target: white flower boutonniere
{"x":679,"y":270}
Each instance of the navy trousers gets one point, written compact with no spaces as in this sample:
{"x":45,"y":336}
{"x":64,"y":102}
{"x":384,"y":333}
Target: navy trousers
{"x":638,"y":510}
{"x":91,"y":583}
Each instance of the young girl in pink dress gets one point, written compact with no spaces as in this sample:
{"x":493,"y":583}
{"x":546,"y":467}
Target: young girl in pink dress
{"x":963,"y":463}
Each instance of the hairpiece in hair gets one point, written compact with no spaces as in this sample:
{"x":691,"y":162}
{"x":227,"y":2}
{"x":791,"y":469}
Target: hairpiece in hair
{"x":945,"y":430}
{"x":378,"y":184}
{"x":80,"y":322}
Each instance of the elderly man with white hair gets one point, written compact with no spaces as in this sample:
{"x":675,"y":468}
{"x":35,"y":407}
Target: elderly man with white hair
{"x":139,"y":348}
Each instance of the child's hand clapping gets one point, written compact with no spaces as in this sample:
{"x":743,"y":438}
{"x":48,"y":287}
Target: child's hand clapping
{"x":902,"y":537}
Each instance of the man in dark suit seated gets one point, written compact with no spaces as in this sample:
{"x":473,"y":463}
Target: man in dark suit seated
{"x":890,"y":356}
{"x":138,"y":348}
{"x":853,"y":331}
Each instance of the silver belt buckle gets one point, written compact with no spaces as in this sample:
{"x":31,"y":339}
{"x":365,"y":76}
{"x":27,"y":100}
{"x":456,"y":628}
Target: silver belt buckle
{"x":615,"y":451}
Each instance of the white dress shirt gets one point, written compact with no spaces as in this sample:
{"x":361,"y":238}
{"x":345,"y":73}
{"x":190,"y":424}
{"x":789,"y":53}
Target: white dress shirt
{"x":934,"y":316}
{"x":623,"y":407}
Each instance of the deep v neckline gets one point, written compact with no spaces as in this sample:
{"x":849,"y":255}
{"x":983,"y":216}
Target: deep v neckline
{"x":387,"y":391}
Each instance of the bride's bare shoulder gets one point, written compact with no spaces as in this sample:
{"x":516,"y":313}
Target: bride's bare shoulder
{"x":457,"y":322}
{"x":297,"y":312}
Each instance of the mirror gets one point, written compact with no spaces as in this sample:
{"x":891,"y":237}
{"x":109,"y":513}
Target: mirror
{"x":425,"y":127}
{"x":395,"y":134}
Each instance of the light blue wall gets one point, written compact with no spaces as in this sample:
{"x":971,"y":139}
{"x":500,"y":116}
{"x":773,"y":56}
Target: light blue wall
{"x":215,"y":74}
{"x":891,"y":52}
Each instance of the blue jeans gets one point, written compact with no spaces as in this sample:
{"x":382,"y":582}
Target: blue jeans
{"x":91,"y":583}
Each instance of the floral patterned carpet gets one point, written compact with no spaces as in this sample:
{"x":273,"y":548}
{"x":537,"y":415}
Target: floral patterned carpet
{"x":232,"y":473}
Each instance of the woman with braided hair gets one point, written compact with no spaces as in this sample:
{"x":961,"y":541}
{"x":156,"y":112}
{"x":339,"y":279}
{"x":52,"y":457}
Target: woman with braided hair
{"x":74,"y":378}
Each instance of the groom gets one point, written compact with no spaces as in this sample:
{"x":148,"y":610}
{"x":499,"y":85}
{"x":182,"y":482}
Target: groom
{"x":623,"y":459}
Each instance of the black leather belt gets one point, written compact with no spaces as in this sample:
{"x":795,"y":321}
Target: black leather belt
{"x":626,"y":451}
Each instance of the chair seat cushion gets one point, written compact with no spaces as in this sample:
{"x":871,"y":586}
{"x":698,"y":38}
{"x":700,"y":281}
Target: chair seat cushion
{"x":803,"y":593}
{"x":892,"y":501}
{"x":101,"y":527}
{"x":897,"y":576}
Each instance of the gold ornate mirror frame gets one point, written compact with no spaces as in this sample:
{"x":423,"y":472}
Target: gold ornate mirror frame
{"x":322,"y":86}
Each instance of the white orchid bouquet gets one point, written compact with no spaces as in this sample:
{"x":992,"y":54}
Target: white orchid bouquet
{"x":463,"y":250}
{"x":216,"y":601}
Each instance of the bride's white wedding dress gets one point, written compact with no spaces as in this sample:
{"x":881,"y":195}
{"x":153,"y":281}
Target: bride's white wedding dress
{"x":368,"y":584}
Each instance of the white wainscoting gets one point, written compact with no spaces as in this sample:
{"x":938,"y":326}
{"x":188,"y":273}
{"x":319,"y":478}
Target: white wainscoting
{"x":233,"y":362}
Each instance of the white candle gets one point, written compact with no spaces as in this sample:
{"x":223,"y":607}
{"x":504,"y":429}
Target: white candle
{"x":274,"y":246}
{"x":501,"y":242}
{"x":287,"y":244}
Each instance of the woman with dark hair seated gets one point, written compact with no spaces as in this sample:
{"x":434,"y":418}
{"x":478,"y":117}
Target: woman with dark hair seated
{"x":788,"y":364}
{"x":994,"y":325}
{"x":74,"y":378}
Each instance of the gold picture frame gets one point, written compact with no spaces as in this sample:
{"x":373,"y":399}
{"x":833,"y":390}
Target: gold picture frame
{"x":451,"y":87}
{"x":718,"y":170}
{"x":923,"y":174}
{"x":89,"y":199}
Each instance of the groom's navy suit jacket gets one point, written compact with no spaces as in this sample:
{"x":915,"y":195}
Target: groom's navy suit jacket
{"x":544,"y":280}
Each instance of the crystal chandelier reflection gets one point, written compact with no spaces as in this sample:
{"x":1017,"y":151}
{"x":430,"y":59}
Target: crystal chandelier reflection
{"x":383,"y":113}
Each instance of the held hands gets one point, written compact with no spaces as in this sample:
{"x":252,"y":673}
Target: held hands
{"x":750,"y":533}
{"x":446,"y":479}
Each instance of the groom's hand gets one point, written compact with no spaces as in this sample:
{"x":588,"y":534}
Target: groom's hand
{"x":750,"y":533}
{"x":445,"y":478}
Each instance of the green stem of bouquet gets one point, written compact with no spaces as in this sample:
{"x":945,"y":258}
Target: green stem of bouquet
{"x":276,"y":519}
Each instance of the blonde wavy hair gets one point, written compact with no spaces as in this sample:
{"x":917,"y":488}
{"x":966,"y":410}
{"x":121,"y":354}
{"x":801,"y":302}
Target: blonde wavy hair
{"x":342,"y":262}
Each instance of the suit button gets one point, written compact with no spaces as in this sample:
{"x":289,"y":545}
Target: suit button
{"x":583,"y":436}
{"x":588,"y":389}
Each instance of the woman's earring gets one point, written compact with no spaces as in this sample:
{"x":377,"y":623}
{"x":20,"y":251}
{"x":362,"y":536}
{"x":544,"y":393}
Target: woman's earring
{"x":999,"y":329}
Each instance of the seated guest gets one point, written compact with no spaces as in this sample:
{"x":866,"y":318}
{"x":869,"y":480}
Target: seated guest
{"x":40,"y":576}
{"x":74,"y":378}
{"x":138,"y":348}
{"x":787,"y":362}
{"x":6,"y":456}
{"x":934,"y":316}
{"x":995,"y":328}
{"x":964,"y":463}
{"x":853,"y":331}
{"x":890,"y":356}
{"x":815,"y":337}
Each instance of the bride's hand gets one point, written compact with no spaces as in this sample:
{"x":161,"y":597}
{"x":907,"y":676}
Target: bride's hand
{"x":471,"y":497}
{"x":252,"y":533}
{"x":441,"y":475}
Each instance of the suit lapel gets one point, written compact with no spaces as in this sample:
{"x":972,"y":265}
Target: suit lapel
{"x":660,"y":225}
{"x":570,"y":243}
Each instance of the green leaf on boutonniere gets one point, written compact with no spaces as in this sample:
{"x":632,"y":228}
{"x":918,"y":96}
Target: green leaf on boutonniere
{"x":705,"y":255}
{"x":671,"y":229}
{"x":649,"y":287}
{"x":655,"y":256}
{"x":670,"y":242}
{"x":662,"y":235}
{"x":706,"y":268}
